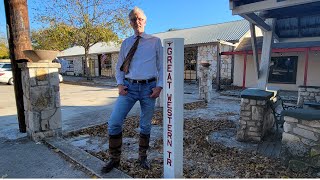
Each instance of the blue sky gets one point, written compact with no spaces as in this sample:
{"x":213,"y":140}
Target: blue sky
{"x":165,"y":14}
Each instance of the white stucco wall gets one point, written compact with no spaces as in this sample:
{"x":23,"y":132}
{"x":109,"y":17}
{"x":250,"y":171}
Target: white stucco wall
{"x":251,"y":78}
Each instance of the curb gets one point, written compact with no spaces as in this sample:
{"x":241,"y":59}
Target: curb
{"x":86,"y":160}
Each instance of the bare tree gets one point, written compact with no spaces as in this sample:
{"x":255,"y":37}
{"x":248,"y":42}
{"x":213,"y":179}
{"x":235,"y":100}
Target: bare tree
{"x":92,"y":21}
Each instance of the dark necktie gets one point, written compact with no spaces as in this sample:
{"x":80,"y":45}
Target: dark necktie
{"x":126,"y":64}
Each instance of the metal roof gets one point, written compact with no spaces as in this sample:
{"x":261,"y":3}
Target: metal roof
{"x":98,"y":48}
{"x":229,"y":31}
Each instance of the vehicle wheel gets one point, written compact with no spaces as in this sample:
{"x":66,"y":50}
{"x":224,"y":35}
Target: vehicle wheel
{"x":10,"y":81}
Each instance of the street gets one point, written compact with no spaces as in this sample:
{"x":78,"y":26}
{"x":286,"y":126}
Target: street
{"x":81,"y":106}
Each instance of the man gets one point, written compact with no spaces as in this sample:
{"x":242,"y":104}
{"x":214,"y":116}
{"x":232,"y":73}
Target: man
{"x":139,"y":78}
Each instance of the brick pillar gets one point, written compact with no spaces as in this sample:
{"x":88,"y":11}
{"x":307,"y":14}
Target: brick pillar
{"x":205,"y":82}
{"x":256,"y":117}
{"x":41,"y":96}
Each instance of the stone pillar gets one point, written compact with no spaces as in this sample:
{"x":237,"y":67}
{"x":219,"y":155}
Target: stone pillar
{"x":41,"y":96}
{"x":205,"y":82}
{"x":300,"y":148}
{"x":256,"y":116}
{"x":308,"y":94}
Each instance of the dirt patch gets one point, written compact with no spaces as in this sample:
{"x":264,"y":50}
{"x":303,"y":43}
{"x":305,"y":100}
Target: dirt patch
{"x":201,"y":158}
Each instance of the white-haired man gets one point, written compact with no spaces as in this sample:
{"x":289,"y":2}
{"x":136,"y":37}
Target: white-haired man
{"x":139,"y":78}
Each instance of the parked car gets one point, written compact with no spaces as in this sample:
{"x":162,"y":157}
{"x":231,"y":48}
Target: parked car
{"x":6,"y":73}
{"x":60,"y":78}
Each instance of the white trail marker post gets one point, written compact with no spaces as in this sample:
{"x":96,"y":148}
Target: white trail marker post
{"x":173,"y":107}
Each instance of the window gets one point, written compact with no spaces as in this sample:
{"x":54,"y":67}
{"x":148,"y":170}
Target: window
{"x":283,"y":70}
{"x":70,"y":67}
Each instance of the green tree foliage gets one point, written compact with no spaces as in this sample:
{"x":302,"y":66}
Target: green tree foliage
{"x":4,"y":50}
{"x":90,"y":21}
{"x":56,"y":37}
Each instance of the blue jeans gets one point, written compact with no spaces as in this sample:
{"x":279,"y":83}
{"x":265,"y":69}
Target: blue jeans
{"x":136,"y":92}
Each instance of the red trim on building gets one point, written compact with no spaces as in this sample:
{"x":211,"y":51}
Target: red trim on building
{"x":244,"y":70}
{"x":280,"y":50}
{"x":306,"y":67}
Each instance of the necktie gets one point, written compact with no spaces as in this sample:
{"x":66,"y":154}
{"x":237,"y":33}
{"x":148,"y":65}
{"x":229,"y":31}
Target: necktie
{"x":126,"y":64}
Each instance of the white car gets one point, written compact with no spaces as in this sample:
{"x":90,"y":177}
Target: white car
{"x":6,"y":73}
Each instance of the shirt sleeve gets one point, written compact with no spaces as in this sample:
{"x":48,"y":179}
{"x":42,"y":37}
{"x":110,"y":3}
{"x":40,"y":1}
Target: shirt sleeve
{"x":160,"y":63}
{"x":120,"y":74}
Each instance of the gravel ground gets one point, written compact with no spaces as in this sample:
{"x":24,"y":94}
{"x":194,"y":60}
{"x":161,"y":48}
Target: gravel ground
{"x":201,"y":158}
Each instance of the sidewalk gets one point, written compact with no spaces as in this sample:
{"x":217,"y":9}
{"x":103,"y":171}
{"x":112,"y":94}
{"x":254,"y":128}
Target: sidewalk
{"x":23,"y":158}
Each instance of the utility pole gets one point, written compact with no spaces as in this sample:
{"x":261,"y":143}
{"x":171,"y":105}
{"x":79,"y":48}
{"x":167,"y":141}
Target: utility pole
{"x":18,"y":31}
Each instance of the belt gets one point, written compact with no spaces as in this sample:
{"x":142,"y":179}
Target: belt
{"x":140,"y":81}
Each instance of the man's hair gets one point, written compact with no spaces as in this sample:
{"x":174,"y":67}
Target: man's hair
{"x":135,"y":10}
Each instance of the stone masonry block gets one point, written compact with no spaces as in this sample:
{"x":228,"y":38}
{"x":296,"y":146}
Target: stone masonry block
{"x":57,"y":100}
{"x":254,"y":129}
{"x":288,"y":137}
{"x":258,"y":134}
{"x":33,"y":121}
{"x":44,"y":125}
{"x":290,"y":119}
{"x":287,"y":127}
{"x":314,"y":123}
{"x":244,"y":118}
{"x":42,"y":83}
{"x":47,"y":114}
{"x":246,"y":107}
{"x":257,"y":113}
{"x":243,"y":122}
{"x":316,"y":130}
{"x":261,"y":102}
{"x":245,"y":113}
{"x":55,"y":121}
{"x":305,"y":133}
{"x":243,"y":100}
{"x":253,"y":102}
{"x":251,"y":123}
{"x":240,"y":135}
{"x":255,"y":138}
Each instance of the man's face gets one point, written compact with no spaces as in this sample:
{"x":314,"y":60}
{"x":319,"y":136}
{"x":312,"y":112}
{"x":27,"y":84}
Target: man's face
{"x":138,"y":22}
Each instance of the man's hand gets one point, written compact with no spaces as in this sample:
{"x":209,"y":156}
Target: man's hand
{"x":156,"y":92}
{"x":123,"y":90}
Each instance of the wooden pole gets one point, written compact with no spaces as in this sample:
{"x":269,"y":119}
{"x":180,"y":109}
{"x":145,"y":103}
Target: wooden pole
{"x":18,"y":38}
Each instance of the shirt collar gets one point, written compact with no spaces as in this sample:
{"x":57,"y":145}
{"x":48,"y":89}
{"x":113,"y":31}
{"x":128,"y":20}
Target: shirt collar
{"x":143,"y":35}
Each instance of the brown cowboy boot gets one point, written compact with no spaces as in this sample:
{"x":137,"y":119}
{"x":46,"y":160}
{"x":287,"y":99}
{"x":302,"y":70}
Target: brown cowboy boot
{"x":143,"y":147}
{"x":115,"y":143}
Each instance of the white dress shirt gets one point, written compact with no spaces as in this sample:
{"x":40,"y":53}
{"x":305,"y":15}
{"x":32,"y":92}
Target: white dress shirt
{"x":146,"y":62}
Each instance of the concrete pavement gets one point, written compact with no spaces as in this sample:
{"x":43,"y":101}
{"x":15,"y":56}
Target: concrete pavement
{"x":23,"y":158}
